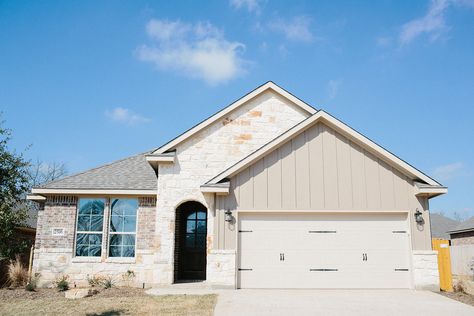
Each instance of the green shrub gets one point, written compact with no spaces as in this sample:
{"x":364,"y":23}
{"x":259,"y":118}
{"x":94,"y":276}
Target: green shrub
{"x":108,"y":282}
{"x":62,"y":283}
{"x":32,"y":284}
{"x":95,"y":280}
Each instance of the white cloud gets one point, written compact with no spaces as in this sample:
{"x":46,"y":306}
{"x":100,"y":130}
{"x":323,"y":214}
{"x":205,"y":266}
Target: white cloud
{"x":126,"y":116}
{"x":448,"y":171}
{"x":250,"y":5}
{"x":197,"y":50}
{"x":332,"y":88}
{"x":384,"y":41}
{"x":295,"y":29}
{"x":432,"y":23}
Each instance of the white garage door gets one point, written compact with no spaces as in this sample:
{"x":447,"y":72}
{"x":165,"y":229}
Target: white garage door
{"x":308,"y":250}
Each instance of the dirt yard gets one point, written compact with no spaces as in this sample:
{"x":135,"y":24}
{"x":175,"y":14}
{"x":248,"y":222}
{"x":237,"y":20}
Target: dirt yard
{"x":115,"y":301}
{"x":460,"y":296}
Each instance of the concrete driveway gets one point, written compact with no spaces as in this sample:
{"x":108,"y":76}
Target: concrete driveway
{"x":338,"y":302}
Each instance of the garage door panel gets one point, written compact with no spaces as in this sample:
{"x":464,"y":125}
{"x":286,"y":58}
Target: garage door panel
{"x":324,"y":251}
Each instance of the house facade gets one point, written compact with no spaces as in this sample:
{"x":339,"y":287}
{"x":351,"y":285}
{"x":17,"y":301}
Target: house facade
{"x":267,"y":193}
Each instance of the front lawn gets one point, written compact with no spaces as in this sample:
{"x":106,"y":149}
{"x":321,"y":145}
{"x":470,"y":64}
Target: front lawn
{"x":115,"y":301}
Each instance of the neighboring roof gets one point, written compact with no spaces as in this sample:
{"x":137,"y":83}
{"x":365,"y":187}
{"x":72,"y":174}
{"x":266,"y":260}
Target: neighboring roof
{"x":132,"y":173}
{"x":440,"y":225}
{"x":342,"y":128}
{"x":269,"y":85}
{"x":467,"y":225}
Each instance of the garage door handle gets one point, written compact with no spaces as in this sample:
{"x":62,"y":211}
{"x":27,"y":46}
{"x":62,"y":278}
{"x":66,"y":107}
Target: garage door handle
{"x":282,"y":257}
{"x":364,"y":257}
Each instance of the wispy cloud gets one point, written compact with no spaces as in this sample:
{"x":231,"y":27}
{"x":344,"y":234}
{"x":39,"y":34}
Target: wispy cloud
{"x":333,"y":88}
{"x":197,"y":50}
{"x":125,"y":116}
{"x":433,"y":23}
{"x":250,"y":5}
{"x":296,"y":29}
{"x":448,"y":171}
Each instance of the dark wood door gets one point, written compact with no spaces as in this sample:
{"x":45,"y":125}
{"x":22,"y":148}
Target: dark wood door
{"x":193,"y":243}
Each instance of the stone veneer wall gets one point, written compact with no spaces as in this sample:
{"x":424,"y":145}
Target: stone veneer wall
{"x":425,"y":270}
{"x":54,"y":255}
{"x":203,"y":156}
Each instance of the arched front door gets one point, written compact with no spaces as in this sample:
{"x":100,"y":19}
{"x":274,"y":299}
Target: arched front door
{"x":191,"y":235}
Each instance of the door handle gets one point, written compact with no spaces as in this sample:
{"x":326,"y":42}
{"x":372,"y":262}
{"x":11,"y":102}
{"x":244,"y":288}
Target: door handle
{"x":282,"y":257}
{"x":364,"y":257}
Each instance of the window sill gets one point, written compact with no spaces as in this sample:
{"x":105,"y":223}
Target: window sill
{"x":121,"y":260}
{"x":85,"y":259}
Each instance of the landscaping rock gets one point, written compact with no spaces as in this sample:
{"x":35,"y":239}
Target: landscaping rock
{"x":77,"y":293}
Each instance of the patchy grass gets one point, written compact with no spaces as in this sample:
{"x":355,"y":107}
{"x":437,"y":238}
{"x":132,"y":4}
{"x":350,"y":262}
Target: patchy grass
{"x":115,"y":301}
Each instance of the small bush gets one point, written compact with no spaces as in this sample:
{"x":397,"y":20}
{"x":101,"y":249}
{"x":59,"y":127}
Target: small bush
{"x":95,"y":280}
{"x":128,"y":277}
{"x":32,"y":284}
{"x":62,"y":283}
{"x":17,"y":274}
{"x":108,"y":282}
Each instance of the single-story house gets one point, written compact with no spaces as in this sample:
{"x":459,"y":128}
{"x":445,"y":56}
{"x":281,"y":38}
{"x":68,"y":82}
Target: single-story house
{"x":463,"y":234}
{"x":269,"y":192}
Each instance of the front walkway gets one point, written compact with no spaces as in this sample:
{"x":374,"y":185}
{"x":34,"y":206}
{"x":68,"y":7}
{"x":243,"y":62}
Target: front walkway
{"x":338,"y":302}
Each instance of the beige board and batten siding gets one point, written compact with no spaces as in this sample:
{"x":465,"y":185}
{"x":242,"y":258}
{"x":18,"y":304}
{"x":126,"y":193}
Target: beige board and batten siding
{"x":320,"y":169}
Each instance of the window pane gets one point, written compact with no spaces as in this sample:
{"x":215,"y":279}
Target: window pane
{"x":96,"y":223}
{"x":192,"y":216}
{"x":128,"y":240}
{"x":128,"y":251}
{"x":115,"y":240}
{"x":201,"y":215}
{"x":115,"y":251}
{"x":190,"y":240}
{"x":190,"y":226}
{"x":91,"y":206}
{"x":116,"y":223}
{"x":200,"y":241}
{"x":201,"y":226}
{"x":123,"y":215}
{"x":130,"y":224}
{"x":84,"y":223}
{"x":88,"y":245}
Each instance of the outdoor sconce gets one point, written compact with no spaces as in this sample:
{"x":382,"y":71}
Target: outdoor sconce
{"x":228,"y":216}
{"x":419,"y":217}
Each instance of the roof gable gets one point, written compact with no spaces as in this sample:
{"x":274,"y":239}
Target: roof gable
{"x":259,"y":90}
{"x":340,"y":127}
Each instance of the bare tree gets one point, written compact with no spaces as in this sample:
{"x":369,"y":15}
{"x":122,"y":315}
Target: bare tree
{"x":40,"y":172}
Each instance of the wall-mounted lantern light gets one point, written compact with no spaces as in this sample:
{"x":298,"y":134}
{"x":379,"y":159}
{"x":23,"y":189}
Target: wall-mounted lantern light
{"x":419,"y":217}
{"x":228,"y":216}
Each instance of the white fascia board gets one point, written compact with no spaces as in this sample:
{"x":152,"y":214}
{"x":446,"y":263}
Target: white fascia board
{"x":93,"y":191}
{"x":433,"y":191}
{"x":35,"y":197}
{"x":219,"y":188}
{"x":160,"y":158}
{"x":232,"y":107}
{"x":338,"y":126}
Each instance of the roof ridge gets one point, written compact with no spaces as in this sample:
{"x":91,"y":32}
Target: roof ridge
{"x":91,"y":169}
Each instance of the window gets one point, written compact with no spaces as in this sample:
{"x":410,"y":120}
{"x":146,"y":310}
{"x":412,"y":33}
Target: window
{"x":123,"y":223}
{"x":90,"y":223}
{"x":196,"y":230}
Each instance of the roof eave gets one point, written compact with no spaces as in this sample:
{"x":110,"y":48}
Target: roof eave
{"x":73,"y":191}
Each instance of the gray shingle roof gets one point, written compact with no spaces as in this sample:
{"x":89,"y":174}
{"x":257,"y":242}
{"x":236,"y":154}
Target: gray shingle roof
{"x":440,"y":225}
{"x":132,"y":173}
{"x":468,"y":224}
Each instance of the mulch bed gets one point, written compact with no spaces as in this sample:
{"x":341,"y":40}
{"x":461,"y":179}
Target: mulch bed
{"x":20,"y":293}
{"x":460,"y":296}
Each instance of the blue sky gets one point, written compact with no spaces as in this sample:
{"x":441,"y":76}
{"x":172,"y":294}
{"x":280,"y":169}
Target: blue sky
{"x":89,"y":82}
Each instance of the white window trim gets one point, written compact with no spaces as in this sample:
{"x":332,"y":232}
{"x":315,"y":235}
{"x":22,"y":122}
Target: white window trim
{"x":109,"y":234}
{"x":89,"y":232}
